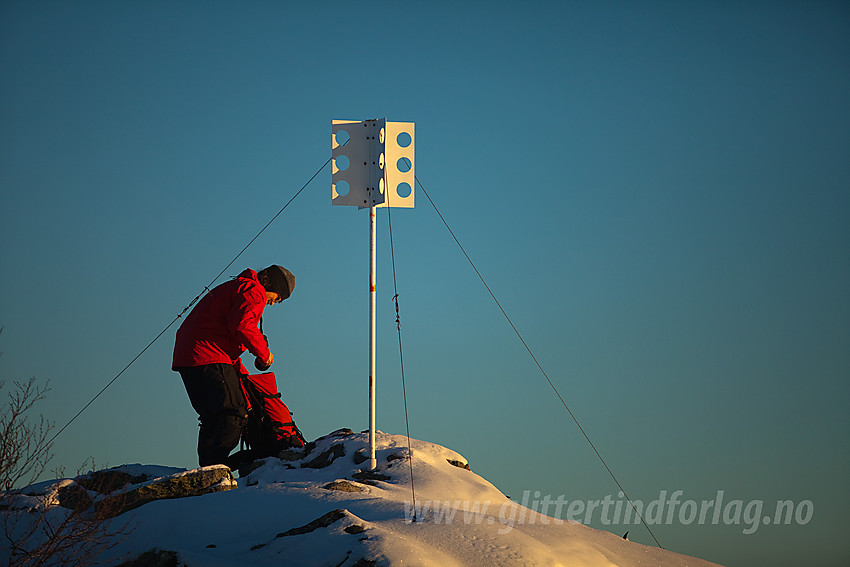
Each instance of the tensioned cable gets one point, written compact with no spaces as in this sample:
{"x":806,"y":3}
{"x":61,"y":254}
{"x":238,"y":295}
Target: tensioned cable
{"x":185,"y":309}
{"x":401,"y":356}
{"x":542,"y":371}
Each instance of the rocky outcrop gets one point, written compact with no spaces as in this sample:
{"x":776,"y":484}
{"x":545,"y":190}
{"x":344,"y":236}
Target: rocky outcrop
{"x":154,"y":558}
{"x":360,"y":457}
{"x":109,"y":480}
{"x":73,"y":497}
{"x":113,"y":492}
{"x":326,"y":458}
{"x":459,"y":464}
{"x":196,"y":482}
{"x":321,"y":522}
{"x":370,"y":475}
{"x":343,"y":486}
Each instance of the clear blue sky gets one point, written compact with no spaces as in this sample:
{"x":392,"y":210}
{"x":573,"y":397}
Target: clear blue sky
{"x":657,"y":192}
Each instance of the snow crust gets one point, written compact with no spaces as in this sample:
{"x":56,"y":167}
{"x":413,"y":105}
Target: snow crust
{"x":460,"y":519}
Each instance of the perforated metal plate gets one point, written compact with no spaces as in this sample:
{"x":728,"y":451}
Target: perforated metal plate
{"x":373,"y":163}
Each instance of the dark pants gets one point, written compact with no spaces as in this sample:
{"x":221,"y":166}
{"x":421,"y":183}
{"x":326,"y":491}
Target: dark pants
{"x":216,"y":395}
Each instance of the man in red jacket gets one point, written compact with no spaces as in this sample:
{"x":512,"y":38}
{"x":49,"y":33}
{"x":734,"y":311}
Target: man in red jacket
{"x":207,"y":351}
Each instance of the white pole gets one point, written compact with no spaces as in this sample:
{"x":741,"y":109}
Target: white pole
{"x":373,"y":463}
{"x":380,"y":146}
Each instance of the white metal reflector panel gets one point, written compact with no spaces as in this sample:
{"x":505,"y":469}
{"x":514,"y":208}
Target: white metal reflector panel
{"x":373,"y":163}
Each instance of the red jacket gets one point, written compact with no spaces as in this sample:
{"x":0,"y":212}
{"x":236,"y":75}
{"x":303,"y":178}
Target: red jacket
{"x":224,"y":324}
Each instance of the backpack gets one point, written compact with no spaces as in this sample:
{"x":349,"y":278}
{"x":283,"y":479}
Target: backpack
{"x":270,"y":427}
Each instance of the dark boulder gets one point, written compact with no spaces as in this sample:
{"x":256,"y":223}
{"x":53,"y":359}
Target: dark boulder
{"x":196,"y":482}
{"x":326,"y":458}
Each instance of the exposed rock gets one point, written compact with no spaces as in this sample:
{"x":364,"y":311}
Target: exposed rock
{"x":321,"y":522}
{"x":459,"y":464}
{"x":394,"y":457}
{"x":360,"y":456}
{"x":154,"y":558}
{"x":370,"y":475}
{"x":355,"y":529}
{"x":292,"y":454}
{"x":74,"y":497}
{"x":247,"y":468}
{"x":343,"y":432}
{"x":326,"y":458}
{"x":109,"y":480}
{"x":196,"y":482}
{"x":344,"y":486}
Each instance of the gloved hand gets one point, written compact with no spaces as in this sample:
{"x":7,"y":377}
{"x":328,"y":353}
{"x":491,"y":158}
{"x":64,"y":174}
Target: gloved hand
{"x":261,"y":365}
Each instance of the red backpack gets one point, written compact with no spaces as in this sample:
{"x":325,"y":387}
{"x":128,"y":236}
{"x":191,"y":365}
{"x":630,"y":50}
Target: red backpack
{"x":270,"y":427}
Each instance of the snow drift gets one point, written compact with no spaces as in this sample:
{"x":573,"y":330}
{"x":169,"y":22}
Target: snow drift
{"x":317,"y":507}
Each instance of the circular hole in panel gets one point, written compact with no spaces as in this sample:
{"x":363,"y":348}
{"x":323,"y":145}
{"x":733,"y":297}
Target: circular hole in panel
{"x":381,"y":161}
{"x":342,"y":162}
{"x":342,"y":137}
{"x":342,"y":188}
{"x":403,"y":165}
{"x":404,"y":190}
{"x":381,"y":186}
{"x":404,"y":139}
{"x":381,"y":135}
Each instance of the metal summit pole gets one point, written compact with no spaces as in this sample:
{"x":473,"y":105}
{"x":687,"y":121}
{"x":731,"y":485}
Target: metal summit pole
{"x":385,"y":150}
{"x":373,"y":463}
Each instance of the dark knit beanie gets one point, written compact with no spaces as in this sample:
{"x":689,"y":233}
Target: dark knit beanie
{"x":279,"y":280}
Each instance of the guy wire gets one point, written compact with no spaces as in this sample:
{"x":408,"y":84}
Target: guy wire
{"x":539,"y":366}
{"x":185,"y":309}
{"x":401,"y":356}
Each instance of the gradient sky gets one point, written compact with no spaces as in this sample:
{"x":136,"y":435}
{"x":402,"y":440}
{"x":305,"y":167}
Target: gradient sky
{"x":657,"y":192}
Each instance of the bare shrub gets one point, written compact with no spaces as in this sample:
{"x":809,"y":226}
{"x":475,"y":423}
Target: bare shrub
{"x":52,"y":523}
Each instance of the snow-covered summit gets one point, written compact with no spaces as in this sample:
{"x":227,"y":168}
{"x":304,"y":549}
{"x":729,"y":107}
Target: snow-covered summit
{"x":319,"y":507}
